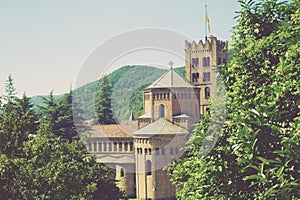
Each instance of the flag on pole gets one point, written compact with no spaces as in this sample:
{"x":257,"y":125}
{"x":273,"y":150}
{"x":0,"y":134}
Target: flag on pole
{"x":207,"y":21}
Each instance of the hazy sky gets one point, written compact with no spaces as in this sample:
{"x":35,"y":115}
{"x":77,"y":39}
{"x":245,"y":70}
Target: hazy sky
{"x":43,"y":44}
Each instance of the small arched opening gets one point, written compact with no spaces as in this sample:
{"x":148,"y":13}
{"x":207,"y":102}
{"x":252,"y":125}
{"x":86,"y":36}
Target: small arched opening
{"x":149,"y":168}
{"x":207,"y":92}
{"x":122,"y":173}
{"x":161,"y":111}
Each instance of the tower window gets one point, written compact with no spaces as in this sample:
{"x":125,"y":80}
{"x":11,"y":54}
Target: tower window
{"x":163,"y":151}
{"x":195,"y":62}
{"x":195,"y":77}
{"x":207,"y":92}
{"x":206,"y":61}
{"x":206,"y":76}
{"x":122,"y":173}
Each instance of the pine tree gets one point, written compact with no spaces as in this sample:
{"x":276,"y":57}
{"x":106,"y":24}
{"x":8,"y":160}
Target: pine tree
{"x":17,"y":121}
{"x":103,"y":102}
{"x":59,"y":116}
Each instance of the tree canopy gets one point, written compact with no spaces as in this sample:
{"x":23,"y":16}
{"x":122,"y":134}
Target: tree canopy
{"x":257,"y":155}
{"x":39,"y":159}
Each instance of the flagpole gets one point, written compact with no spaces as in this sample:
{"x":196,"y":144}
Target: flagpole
{"x":205,"y":21}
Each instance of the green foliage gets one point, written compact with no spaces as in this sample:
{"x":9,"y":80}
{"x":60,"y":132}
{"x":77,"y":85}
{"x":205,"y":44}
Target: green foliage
{"x":17,"y":121}
{"x":58,"y":116}
{"x":257,"y":155}
{"x":124,"y":81}
{"x":40,"y":164}
{"x":103,"y":109}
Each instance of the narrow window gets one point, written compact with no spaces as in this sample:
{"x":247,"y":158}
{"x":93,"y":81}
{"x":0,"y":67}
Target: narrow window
{"x":115,"y":146}
{"x":157,"y":151}
{"x":122,"y":173}
{"x":207,"y":92}
{"x":204,"y":77}
{"x":100,"y":146}
{"x":95,"y":146}
{"x":120,"y":146}
{"x":176,"y":150}
{"x":171,"y":151}
{"x":126,"y":146}
{"x":105,"y":147}
{"x":149,"y":168}
{"x":131,"y":146}
{"x":163,"y":151}
{"x":110,"y":146}
{"x":161,"y":111}
{"x":89,"y":147}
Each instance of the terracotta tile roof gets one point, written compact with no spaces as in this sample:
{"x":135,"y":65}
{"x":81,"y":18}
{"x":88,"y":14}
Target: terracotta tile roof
{"x":161,"y":126}
{"x":147,"y":115}
{"x":123,"y":130}
{"x":170,"y":79}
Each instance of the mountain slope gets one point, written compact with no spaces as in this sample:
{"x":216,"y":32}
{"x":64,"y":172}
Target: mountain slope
{"x":127,"y":82}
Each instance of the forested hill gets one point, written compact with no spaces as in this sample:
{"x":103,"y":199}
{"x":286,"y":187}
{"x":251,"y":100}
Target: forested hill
{"x":127,"y":83}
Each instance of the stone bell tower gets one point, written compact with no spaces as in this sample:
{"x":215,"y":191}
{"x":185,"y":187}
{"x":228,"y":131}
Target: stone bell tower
{"x":200,"y":62}
{"x":171,"y":106}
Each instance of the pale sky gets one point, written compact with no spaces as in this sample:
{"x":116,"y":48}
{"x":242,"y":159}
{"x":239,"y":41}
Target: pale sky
{"x":44,"y":44}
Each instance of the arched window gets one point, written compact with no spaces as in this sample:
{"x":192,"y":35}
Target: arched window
{"x":161,"y":111}
{"x":149,"y":167}
{"x":207,"y":92}
{"x":122,"y":173}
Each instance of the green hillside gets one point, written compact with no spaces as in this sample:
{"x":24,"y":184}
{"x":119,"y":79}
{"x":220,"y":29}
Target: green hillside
{"x":127,"y":82}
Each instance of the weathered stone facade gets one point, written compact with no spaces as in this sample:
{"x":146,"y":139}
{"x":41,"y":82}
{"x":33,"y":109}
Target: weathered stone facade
{"x":200,"y":62}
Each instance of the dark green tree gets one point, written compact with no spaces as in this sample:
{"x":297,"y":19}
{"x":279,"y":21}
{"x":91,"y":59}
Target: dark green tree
{"x":59,"y":116}
{"x":17,"y":121}
{"x":257,"y":155}
{"x":104,"y":113}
